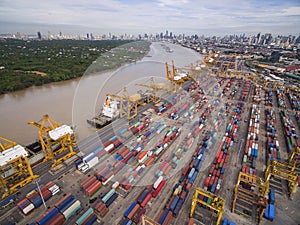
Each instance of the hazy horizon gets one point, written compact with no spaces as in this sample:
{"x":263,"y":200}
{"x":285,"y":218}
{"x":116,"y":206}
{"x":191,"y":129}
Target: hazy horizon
{"x":138,"y":17}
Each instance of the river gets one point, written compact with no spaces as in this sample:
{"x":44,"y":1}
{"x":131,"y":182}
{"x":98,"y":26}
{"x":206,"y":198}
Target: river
{"x":72,"y":102}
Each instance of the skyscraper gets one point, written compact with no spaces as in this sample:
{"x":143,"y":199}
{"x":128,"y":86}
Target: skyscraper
{"x":39,"y":35}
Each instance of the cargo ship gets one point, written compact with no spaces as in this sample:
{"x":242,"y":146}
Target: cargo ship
{"x":108,"y":114}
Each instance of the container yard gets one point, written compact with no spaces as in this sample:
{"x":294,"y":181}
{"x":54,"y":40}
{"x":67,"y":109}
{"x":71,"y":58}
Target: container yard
{"x":217,"y":147}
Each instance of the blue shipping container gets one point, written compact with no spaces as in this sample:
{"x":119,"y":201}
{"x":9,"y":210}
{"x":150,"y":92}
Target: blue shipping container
{"x":178,"y":207}
{"x":174,"y":202}
{"x":225,"y":221}
{"x":91,"y":221}
{"x":111,"y":199}
{"x":143,"y":195}
{"x":64,"y":203}
{"x":51,"y":213}
{"x":129,"y":209}
{"x":271,"y":212}
{"x":68,"y":205}
{"x":162,"y":218}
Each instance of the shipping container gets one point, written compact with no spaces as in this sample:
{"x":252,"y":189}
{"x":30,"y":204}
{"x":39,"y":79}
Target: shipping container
{"x":72,"y":209}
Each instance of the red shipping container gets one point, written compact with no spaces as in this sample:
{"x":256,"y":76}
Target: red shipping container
{"x":211,"y":170}
{"x":138,"y":216}
{"x":215,"y":172}
{"x":207,"y":181}
{"x":168,"y":218}
{"x":146,"y":200}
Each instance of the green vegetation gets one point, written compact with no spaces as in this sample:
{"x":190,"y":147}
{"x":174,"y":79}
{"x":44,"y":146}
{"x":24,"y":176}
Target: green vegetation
{"x":28,"y":63}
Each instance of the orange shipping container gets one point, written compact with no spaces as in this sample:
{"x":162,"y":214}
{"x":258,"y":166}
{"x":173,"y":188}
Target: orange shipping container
{"x":133,"y":211}
{"x":142,"y":155}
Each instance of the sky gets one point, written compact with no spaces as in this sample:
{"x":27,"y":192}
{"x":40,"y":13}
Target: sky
{"x":208,"y":17}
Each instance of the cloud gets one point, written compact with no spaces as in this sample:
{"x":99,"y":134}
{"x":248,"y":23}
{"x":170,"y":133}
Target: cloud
{"x":140,"y":16}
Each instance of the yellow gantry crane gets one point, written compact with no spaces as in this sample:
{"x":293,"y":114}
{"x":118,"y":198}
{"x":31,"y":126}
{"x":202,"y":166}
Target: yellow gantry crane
{"x":176,"y":79}
{"x":255,"y":193}
{"x":132,"y":103}
{"x":152,"y":95}
{"x":15,"y":168}
{"x":282,"y":171}
{"x":147,"y":220}
{"x":294,"y":157}
{"x":55,"y":139}
{"x":173,"y":84}
{"x":217,"y":204}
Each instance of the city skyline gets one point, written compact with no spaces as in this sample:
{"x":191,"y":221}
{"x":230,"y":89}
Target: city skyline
{"x":135,"y":17}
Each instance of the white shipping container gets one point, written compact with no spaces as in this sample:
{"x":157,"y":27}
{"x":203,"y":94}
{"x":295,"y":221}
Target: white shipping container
{"x":55,"y":192}
{"x":93,"y":162}
{"x":109,"y":179}
{"x":84,"y":168}
{"x":87,"y":156}
{"x":109,"y":147}
{"x":71,"y":209}
{"x":115,"y":185}
{"x":28,"y":209}
{"x":249,"y":151}
{"x":201,"y":126}
{"x":157,"y":182}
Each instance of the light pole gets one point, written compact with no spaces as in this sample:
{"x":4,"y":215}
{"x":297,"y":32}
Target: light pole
{"x":38,"y":186}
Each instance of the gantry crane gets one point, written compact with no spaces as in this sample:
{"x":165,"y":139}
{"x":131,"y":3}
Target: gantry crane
{"x":282,"y":171}
{"x":217,"y":204}
{"x":52,"y":134}
{"x":294,"y":157}
{"x":173,"y":83}
{"x":152,"y":95}
{"x":147,"y":220}
{"x":193,"y":71}
{"x":132,"y":103}
{"x":253,"y":190}
{"x":15,"y":168}
{"x":211,"y":58}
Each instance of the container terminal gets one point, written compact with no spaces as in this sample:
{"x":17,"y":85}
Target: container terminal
{"x":215,"y":144}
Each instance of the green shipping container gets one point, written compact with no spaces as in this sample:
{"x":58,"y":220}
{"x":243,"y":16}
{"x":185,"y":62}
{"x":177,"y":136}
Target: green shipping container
{"x":209,"y":200}
{"x":108,"y":195}
{"x":84,"y":216}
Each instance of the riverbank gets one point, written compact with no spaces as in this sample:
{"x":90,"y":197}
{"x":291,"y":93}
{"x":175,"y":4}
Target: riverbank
{"x":61,"y":60}
{"x":73,"y":101}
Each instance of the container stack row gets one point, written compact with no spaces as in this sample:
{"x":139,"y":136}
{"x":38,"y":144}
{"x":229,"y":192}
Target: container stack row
{"x":269,"y":98}
{"x":257,"y":95}
{"x":87,"y":218}
{"x":61,"y":212}
{"x":281,"y":97}
{"x":214,"y":179}
{"x":90,"y":185}
{"x":270,"y":210}
{"x":273,"y":150}
{"x":291,"y":137}
{"x":34,"y":199}
{"x":294,"y":101}
{"x":251,"y":149}
{"x":187,"y":179}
